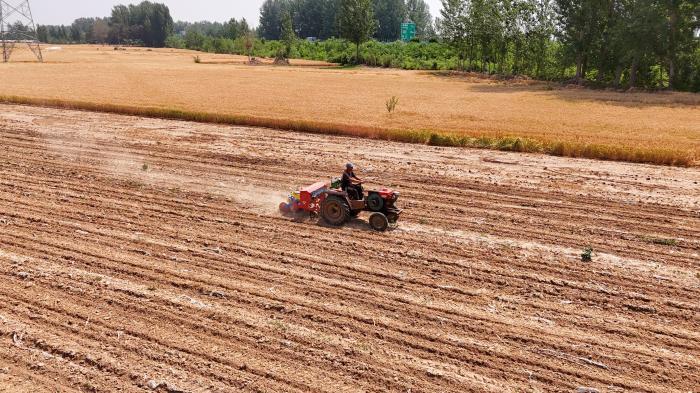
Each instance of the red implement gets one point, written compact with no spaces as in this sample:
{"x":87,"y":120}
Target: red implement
{"x":311,"y":197}
{"x":308,"y":199}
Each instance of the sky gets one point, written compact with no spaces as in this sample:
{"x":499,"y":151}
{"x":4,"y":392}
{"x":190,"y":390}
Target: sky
{"x":51,"y":12}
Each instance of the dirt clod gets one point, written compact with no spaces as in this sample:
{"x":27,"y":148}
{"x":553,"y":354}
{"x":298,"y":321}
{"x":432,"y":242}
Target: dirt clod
{"x":641,"y":308}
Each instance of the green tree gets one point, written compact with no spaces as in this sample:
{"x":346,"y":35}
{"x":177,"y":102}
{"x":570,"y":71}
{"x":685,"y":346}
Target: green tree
{"x":329,"y":27}
{"x":356,"y":22}
{"x":541,"y":21}
{"x":287,"y":36}
{"x":486,"y":30}
{"x":119,"y":24}
{"x":42,"y":33}
{"x":389,"y":15}
{"x":580,"y":25}
{"x":271,"y":13}
{"x":683,"y":18}
{"x":455,"y":28}
{"x":418,"y":12}
{"x":308,"y":17}
{"x":100,"y":31}
{"x":232,"y":29}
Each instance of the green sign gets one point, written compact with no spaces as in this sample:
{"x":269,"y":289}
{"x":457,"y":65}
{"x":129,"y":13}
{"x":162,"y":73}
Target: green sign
{"x":408,"y":31}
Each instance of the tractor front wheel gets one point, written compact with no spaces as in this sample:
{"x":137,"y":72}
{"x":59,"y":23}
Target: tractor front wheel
{"x":335,"y":211}
{"x":379,"y":222}
{"x":375,"y":202}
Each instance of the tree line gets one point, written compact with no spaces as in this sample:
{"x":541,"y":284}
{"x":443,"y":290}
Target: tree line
{"x":630,"y":43}
{"x":617,"y":43}
{"x":648,"y":43}
{"x":147,"y":23}
{"x":321,"y":18}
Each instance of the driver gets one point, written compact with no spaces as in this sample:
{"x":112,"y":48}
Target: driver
{"x":351,"y":183}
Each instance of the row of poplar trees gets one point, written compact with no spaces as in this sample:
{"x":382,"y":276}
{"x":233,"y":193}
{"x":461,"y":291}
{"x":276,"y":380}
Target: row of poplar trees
{"x":322,"y":18}
{"x":638,"y":42}
{"x":146,"y":23}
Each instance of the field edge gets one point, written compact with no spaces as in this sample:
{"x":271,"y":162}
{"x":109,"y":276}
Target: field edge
{"x":573,"y":149}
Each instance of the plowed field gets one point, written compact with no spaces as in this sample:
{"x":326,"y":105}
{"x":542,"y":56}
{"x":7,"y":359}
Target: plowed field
{"x":141,"y":254}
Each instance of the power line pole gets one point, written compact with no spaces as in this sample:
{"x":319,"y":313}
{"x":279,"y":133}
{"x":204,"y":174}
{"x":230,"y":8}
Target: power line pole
{"x":17,"y":27}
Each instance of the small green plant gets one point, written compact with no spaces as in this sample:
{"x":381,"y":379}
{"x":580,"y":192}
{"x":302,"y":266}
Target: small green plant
{"x":144,"y":167}
{"x":587,"y":255}
{"x":391,"y":104}
{"x":197,"y":59}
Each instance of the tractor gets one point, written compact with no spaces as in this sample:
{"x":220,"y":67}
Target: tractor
{"x":336,"y":207}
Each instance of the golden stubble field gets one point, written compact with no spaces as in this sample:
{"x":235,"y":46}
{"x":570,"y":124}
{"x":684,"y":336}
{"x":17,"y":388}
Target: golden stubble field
{"x":312,"y":91}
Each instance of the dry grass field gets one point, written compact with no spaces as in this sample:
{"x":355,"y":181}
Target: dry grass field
{"x":660,"y":127}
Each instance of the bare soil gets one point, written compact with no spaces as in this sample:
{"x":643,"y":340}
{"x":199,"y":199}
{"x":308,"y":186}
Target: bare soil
{"x":142,"y":254}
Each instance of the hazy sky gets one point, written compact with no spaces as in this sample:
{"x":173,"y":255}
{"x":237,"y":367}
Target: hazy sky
{"x":48,"y":12}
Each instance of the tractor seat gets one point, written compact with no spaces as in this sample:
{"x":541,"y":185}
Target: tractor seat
{"x":352,"y":194}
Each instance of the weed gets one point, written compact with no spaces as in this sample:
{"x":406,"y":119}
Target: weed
{"x":279,"y":325}
{"x":423,"y":221}
{"x":391,"y":104}
{"x":661,"y":241}
{"x":587,"y":255}
{"x":144,"y":167}
{"x":197,"y":59}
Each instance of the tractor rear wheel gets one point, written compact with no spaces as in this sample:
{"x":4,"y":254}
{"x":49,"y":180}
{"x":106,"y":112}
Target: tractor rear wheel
{"x":379,"y":222}
{"x":335,"y":211}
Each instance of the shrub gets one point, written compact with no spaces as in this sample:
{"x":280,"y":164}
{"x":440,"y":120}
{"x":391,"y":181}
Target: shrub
{"x":587,"y":255}
{"x":391,"y":104}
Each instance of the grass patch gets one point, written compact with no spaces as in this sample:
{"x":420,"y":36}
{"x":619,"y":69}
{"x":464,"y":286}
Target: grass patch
{"x":661,"y":241}
{"x":657,"y":156}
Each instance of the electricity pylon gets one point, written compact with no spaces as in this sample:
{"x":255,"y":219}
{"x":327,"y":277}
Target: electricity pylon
{"x":17,"y":27}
